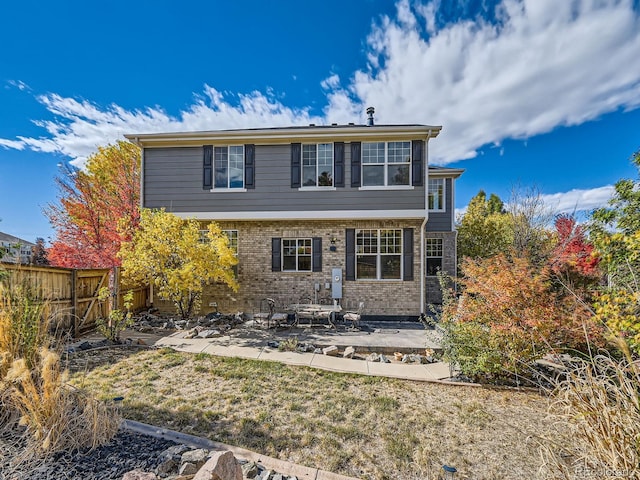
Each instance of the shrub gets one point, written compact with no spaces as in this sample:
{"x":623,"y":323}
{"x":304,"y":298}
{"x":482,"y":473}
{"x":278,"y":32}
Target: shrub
{"x":117,"y":320}
{"x":510,"y":314}
{"x":600,"y":401}
{"x":33,"y":384}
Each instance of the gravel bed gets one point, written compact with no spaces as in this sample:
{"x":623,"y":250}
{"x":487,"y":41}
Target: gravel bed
{"x":125,"y":452}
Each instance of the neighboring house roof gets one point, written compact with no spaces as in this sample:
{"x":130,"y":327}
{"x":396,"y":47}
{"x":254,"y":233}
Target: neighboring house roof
{"x":5,"y":237}
{"x":286,"y":134}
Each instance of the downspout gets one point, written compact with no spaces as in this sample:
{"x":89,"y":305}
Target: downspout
{"x":423,"y":305}
{"x":150,"y":300}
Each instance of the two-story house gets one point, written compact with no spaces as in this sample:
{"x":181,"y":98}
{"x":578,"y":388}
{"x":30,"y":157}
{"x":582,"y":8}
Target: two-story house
{"x":351,"y":212}
{"x":14,"y":249}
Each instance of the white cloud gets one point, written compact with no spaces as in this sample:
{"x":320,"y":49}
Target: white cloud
{"x":331,"y":83}
{"x":575,"y":201}
{"x":80,"y":126}
{"x":547,"y":63}
{"x":578,"y":200}
{"x":544,"y":64}
{"x":19,"y":84}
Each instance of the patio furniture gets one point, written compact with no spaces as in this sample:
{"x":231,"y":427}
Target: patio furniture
{"x":354,"y":317}
{"x":280,"y":317}
{"x":315,"y":312}
{"x":267,"y":309}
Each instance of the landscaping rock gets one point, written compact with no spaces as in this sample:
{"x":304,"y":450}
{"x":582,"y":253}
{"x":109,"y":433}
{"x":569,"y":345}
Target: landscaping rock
{"x":166,"y":467}
{"x":138,"y":474}
{"x":188,"y":468}
{"x":221,"y":466}
{"x":197,"y":457}
{"x":209,"y":334}
{"x":331,"y":351}
{"x":306,"y":347}
{"x":349,"y":352}
{"x":266,"y":475}
{"x":174,"y":452}
{"x":250,"y":470}
{"x":373,"y":357}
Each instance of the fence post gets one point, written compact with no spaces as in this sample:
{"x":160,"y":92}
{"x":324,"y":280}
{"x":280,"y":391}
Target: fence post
{"x":74,"y":302}
{"x":115,"y":302}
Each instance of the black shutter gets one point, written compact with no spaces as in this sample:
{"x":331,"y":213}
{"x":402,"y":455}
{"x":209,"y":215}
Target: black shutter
{"x":207,"y":167}
{"x":407,"y":253}
{"x":317,"y":254}
{"x":276,"y":254}
{"x":350,"y":273}
{"x":295,"y":165}
{"x":355,"y":164}
{"x":249,"y":166}
{"x":417,"y":162}
{"x":338,"y":164}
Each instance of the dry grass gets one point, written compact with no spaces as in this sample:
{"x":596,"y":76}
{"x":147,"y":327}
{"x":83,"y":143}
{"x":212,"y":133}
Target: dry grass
{"x":600,"y":401}
{"x":367,"y":427}
{"x":39,"y":411}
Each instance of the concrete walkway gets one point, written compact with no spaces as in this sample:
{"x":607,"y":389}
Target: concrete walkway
{"x":421,"y":372}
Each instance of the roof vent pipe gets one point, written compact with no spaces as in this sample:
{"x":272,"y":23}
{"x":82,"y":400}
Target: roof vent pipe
{"x":370,"y":112}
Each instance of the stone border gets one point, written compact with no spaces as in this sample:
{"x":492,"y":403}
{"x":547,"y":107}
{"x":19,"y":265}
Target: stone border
{"x":280,"y":466}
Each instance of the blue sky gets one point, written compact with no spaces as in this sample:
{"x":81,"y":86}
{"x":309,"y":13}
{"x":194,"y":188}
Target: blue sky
{"x":531,"y":92}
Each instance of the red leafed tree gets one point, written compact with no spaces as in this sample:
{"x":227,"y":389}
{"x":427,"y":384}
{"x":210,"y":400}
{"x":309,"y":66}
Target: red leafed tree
{"x":98,"y":208}
{"x":574,"y":256}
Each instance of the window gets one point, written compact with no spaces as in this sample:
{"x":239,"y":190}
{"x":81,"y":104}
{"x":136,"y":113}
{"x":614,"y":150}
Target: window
{"x":436,"y":194}
{"x":228,"y":165}
{"x":317,"y":165}
{"x":433,"y":249}
{"x":386,"y":163}
{"x":232,"y":235}
{"x":379,"y":254}
{"x":296,"y":254}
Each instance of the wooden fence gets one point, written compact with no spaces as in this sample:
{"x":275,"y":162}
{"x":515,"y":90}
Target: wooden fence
{"x":73,"y":295}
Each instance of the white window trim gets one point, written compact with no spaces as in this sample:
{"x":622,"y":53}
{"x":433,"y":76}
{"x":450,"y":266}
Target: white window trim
{"x":444,"y":194}
{"x":333,"y":167}
{"x":282,"y":269}
{"x":386,"y":164}
{"x":391,"y":187}
{"x":379,"y":257}
{"x":316,"y":189}
{"x":227,"y":189}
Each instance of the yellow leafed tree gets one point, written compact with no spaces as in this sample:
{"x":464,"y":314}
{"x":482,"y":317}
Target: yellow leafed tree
{"x":171,"y":254}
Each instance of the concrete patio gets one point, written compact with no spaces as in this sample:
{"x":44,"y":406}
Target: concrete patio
{"x":377,"y":337}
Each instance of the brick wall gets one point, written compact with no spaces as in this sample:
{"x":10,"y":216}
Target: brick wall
{"x":257,"y":280}
{"x":433,"y":292}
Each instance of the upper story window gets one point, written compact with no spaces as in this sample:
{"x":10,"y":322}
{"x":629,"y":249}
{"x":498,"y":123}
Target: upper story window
{"x":386,"y":164}
{"x":228,"y":164}
{"x":317,"y":165}
{"x":379,"y":254}
{"x":436,"y":194}
{"x":296,"y":254}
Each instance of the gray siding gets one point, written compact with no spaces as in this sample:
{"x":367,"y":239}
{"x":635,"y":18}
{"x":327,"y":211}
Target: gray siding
{"x":441,"y":221}
{"x":173,"y":180}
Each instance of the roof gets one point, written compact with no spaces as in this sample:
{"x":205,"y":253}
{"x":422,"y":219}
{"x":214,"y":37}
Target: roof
{"x":438,"y":171}
{"x":5,"y":237}
{"x":274,"y":135}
